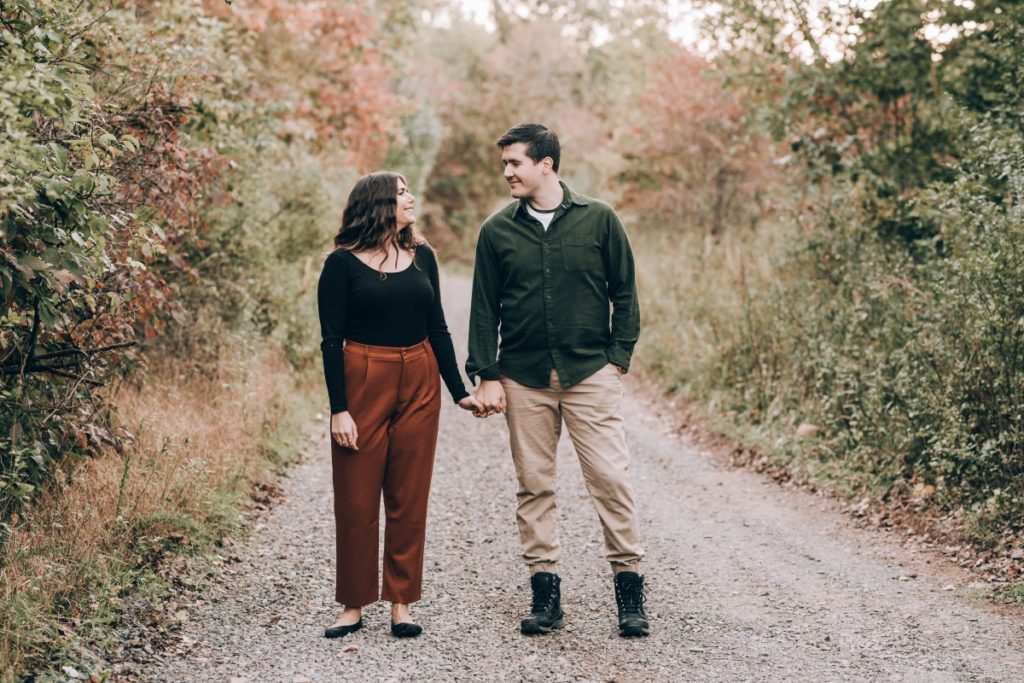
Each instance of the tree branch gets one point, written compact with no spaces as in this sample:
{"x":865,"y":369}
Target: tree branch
{"x":55,"y":371}
{"x":84,"y":352}
{"x":32,"y":363}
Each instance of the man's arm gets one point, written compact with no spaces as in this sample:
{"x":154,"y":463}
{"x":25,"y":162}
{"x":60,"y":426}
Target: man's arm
{"x":484,"y":313}
{"x":621,"y":274}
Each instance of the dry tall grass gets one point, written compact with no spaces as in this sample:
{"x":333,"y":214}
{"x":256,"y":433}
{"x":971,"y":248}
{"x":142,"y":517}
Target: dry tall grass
{"x":693,"y":293}
{"x":84,"y":551}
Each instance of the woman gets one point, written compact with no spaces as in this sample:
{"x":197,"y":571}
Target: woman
{"x":385,"y":341}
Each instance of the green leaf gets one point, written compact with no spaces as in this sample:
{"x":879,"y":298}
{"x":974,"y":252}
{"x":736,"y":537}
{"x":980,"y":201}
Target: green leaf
{"x":28,"y":264}
{"x":61,"y":155}
{"x":82,"y":182}
{"x":54,"y":189}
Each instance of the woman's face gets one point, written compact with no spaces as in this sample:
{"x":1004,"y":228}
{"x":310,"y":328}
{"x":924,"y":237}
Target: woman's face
{"x":405,"y":213}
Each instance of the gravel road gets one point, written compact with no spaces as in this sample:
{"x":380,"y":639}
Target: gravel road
{"x":746,"y":581}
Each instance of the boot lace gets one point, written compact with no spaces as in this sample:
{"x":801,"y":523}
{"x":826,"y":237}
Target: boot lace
{"x":630,"y":598}
{"x":542,"y":599}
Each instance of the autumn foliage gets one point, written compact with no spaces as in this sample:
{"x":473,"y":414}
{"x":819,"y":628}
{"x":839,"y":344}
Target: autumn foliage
{"x":826,"y":207}
{"x":692,"y":157}
{"x":329,"y":60}
{"x":130,"y":164}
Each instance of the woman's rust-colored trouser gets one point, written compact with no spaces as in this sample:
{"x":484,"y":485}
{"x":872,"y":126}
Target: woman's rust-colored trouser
{"x":394,"y":397}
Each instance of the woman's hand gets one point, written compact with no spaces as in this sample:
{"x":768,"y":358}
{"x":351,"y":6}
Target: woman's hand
{"x":470,"y":403}
{"x":343,"y":430}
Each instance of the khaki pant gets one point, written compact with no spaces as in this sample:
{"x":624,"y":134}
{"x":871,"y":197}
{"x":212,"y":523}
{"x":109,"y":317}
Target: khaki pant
{"x":592,"y":410}
{"x":394,"y":397}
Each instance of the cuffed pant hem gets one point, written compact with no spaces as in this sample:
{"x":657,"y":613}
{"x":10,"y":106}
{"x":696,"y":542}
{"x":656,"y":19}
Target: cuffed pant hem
{"x":356,"y":603}
{"x":400,"y":600}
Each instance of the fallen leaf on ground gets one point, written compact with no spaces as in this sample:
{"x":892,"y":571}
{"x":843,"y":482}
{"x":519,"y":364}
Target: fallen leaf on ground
{"x":807,"y":430}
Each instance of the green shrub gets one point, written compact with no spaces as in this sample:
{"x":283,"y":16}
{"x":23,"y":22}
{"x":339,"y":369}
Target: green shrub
{"x":912,"y":365}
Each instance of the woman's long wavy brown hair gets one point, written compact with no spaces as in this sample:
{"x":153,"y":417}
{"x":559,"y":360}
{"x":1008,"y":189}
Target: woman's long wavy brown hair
{"x":370,"y":223}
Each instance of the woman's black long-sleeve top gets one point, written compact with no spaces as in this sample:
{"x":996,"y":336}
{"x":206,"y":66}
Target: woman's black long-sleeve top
{"x":402,"y":309}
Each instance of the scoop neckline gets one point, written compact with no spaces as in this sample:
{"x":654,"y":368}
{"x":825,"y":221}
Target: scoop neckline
{"x":386,"y":272}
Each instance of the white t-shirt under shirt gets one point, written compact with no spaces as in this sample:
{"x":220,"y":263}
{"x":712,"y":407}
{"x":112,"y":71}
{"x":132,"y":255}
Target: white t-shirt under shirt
{"x":543,"y":216}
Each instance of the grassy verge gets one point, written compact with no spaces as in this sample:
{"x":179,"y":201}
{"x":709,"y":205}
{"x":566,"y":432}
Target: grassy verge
{"x":1012,"y":594}
{"x":111,"y":542}
{"x":829,"y":393}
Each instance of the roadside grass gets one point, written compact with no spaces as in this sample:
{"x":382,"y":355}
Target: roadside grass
{"x":111,"y":539}
{"x":1012,"y":594}
{"x":755,"y":368}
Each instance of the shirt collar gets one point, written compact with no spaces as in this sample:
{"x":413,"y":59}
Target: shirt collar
{"x":568,"y":199}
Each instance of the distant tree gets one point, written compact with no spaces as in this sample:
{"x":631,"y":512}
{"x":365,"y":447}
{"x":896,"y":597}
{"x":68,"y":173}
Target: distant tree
{"x":693,"y":161}
{"x":984,"y":62}
{"x":326,"y":63}
{"x":576,"y":67}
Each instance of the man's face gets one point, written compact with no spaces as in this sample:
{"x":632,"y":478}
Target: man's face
{"x":523,"y":174}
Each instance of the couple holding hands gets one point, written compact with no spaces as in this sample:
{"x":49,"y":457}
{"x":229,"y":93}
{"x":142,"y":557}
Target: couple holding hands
{"x":554,"y":271}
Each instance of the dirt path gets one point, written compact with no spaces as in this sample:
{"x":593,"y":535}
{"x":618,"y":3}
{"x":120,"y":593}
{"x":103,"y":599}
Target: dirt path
{"x":746,"y":582}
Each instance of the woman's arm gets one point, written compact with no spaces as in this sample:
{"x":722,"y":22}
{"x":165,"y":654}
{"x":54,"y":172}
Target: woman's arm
{"x":332,"y":303}
{"x":438,"y":334}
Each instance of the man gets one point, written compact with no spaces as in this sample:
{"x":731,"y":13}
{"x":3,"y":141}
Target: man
{"x":550,"y":267}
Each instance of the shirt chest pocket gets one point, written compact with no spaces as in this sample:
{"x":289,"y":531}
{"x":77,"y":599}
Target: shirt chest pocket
{"x":582,"y":252}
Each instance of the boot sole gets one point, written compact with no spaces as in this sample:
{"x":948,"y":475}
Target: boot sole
{"x":634,"y":632}
{"x":537,"y":629}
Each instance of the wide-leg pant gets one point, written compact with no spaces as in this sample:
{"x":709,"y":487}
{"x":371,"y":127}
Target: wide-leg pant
{"x":394,"y":397}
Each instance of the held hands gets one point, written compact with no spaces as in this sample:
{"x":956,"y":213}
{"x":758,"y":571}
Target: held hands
{"x":491,"y":398}
{"x":343,"y":430}
{"x":470,"y":403}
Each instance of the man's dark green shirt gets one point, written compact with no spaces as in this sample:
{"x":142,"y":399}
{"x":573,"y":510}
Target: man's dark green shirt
{"x":562,"y":298}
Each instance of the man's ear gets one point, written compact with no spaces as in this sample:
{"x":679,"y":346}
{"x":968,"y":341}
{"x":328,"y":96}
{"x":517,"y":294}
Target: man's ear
{"x":547,"y":163}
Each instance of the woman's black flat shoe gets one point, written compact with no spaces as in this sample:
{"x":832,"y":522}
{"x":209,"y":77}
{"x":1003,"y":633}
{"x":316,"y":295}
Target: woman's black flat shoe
{"x":339,"y":631}
{"x":405,"y":630}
